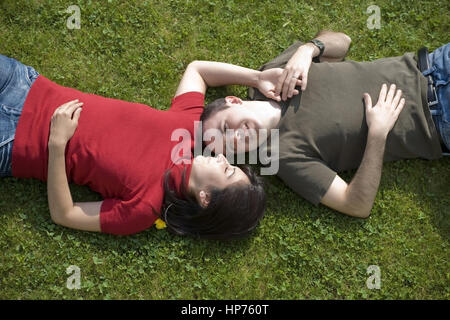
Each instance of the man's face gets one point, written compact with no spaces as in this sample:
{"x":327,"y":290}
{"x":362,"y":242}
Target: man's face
{"x":236,"y":126}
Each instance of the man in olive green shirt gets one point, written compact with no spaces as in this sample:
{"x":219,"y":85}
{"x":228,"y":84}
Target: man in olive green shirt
{"x":332,"y":126}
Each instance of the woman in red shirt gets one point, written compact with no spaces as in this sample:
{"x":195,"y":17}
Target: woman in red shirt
{"x":129,"y":153}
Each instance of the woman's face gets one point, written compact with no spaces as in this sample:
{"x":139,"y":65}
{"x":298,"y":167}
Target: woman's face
{"x":215,"y":172}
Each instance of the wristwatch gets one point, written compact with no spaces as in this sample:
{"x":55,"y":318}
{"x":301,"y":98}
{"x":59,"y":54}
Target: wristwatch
{"x":319,"y":44}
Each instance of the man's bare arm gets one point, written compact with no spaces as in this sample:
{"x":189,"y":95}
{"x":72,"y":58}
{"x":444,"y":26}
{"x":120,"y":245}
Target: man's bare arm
{"x":336,"y":45}
{"x":357,"y":198}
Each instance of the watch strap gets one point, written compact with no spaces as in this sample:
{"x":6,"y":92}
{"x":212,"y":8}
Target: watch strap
{"x":319,"y":44}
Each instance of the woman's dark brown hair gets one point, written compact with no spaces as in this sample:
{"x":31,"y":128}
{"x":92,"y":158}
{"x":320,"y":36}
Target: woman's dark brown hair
{"x":232,"y":212}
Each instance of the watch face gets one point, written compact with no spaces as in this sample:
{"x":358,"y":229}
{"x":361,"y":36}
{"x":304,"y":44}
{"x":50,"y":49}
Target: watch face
{"x":319,"y":45}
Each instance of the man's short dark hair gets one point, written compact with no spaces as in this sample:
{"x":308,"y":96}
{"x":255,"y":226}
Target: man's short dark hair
{"x":212,"y":108}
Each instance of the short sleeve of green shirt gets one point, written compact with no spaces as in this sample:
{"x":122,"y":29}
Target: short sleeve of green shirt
{"x":308,"y":176}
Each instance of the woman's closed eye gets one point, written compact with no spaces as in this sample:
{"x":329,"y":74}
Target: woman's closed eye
{"x":229,"y":171}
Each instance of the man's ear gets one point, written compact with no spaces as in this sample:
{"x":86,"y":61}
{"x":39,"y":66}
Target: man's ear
{"x":204,"y":198}
{"x":233,"y":100}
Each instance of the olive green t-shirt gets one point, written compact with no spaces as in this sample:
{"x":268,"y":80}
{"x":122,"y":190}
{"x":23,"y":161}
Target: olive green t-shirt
{"x":324,"y":131}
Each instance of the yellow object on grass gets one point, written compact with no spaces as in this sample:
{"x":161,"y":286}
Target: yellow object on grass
{"x":160,"y":224}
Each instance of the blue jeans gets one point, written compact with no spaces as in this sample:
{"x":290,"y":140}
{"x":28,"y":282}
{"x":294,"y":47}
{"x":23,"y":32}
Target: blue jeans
{"x":440,"y":72}
{"x":15,"y":83}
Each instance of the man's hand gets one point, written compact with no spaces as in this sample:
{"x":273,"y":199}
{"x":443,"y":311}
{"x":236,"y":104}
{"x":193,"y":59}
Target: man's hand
{"x":382,"y":117}
{"x":336,"y":47}
{"x":356,"y":199}
{"x":64,"y":122}
{"x":296,"y":72}
{"x":268,"y":80}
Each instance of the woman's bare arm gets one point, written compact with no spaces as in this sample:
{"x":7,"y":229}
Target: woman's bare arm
{"x":83,"y":216}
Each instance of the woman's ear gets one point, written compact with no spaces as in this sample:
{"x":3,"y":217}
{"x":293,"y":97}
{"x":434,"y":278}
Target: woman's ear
{"x":204,"y":198}
{"x":233,"y":100}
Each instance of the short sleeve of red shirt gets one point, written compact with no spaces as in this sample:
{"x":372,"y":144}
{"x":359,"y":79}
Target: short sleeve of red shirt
{"x":189,"y":102}
{"x":126,"y":217}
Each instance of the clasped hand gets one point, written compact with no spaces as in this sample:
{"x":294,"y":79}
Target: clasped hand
{"x":279,"y":84}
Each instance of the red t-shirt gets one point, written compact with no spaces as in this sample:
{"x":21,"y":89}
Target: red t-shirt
{"x":120,"y":149}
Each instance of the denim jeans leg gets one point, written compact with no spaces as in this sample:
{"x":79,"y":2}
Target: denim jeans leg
{"x":440,"y":72}
{"x":15,"y":83}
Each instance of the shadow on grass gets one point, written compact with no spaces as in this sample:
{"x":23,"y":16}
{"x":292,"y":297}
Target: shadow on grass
{"x":427,"y":181}
{"x":29,"y":198}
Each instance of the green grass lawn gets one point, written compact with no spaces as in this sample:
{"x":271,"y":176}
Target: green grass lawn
{"x":137,"y":51}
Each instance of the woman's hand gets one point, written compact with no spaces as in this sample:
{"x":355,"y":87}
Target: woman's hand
{"x":267,"y":83}
{"x":64,"y":122}
{"x":295,"y":73}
